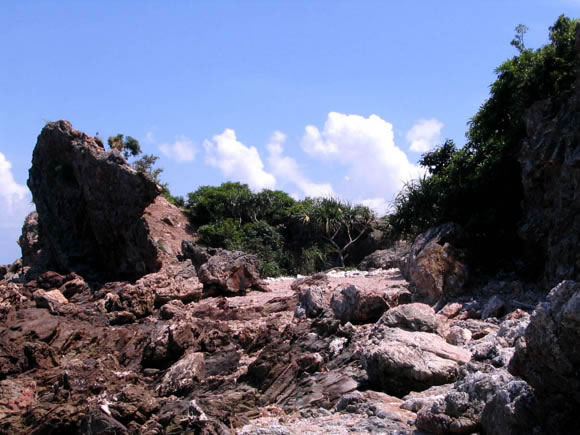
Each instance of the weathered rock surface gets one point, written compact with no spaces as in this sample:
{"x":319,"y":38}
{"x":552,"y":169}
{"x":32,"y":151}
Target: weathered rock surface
{"x":49,"y":299}
{"x":549,"y":357}
{"x":511,"y":411}
{"x":183,"y":375}
{"x":550,"y":162}
{"x":385,"y":258}
{"x":230,"y":272}
{"x":412,"y":317}
{"x":460,"y":410}
{"x":311,"y":302}
{"x":435,"y":265}
{"x":90,"y":205}
{"x":33,"y":250}
{"x":399,"y":361}
{"x":351,"y":304}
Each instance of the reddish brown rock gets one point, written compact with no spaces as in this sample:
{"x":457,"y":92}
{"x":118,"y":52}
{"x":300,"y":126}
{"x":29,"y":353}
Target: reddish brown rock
{"x":231,"y":272}
{"x":435,"y":266}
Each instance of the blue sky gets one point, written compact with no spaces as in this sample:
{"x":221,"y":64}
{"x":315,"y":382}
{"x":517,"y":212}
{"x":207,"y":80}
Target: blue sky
{"x":311,"y":97}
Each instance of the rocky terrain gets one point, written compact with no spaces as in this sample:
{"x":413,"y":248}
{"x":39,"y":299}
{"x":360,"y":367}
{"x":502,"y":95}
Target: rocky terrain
{"x":115,"y":322}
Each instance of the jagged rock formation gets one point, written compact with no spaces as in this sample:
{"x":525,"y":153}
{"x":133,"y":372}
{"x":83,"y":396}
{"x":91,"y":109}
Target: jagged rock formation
{"x":90,"y":206}
{"x":549,"y":357}
{"x":137,"y":330}
{"x":550,"y":160}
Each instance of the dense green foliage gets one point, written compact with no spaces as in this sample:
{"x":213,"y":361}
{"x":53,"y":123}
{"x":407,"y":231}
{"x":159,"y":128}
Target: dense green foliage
{"x":479,"y":185}
{"x":288,"y":236}
{"x":129,"y":146}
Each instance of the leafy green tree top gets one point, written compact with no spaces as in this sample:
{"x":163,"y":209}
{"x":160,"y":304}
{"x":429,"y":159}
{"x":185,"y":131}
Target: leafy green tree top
{"x":129,"y":146}
{"x":479,"y":185}
{"x":341,"y":224}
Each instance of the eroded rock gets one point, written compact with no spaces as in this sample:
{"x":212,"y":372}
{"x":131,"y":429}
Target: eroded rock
{"x":435,"y":264}
{"x":398,"y":361}
{"x":90,"y":205}
{"x":357,"y":305}
{"x":230,"y":272}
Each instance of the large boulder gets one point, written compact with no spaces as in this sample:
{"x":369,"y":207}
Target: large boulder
{"x":435,"y":265}
{"x":358,"y":305}
{"x":311,"y":302}
{"x":385,"y":258}
{"x":90,"y":206}
{"x":399,"y":361}
{"x":230,"y":272}
{"x":412,"y":317}
{"x":550,"y":357}
{"x":460,"y":410}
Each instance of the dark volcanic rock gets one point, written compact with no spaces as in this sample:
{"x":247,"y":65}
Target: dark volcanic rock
{"x":550,"y":161}
{"x":90,"y":205}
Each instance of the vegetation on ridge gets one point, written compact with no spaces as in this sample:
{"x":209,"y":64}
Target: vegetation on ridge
{"x":288,"y":236}
{"x":479,"y":185}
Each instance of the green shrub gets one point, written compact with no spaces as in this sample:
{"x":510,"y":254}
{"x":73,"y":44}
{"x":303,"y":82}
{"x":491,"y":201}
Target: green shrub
{"x":479,"y":185}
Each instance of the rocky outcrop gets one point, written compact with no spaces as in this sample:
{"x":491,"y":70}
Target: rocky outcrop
{"x":460,"y":410}
{"x":230,"y":272}
{"x":548,"y":358}
{"x":435,"y":265}
{"x":90,"y":206}
{"x":351,"y":304}
{"x":412,"y":317}
{"x":29,"y":241}
{"x":385,"y":258}
{"x":399,"y":361}
{"x":550,"y":162}
{"x":311,"y":302}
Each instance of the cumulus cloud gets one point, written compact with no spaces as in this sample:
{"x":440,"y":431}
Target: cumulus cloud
{"x":287,"y":170}
{"x":424,"y":135}
{"x":14,"y":206}
{"x":376,"y":168}
{"x":182,"y":150}
{"x":379,"y":205}
{"x":237,"y":161}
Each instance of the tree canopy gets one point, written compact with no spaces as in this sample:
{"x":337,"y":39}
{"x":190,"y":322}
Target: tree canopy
{"x":288,"y":236}
{"x":479,"y":185}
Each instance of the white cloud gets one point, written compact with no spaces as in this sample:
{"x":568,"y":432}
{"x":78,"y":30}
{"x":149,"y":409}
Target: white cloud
{"x":237,"y":161}
{"x":424,"y":135}
{"x":182,"y":150}
{"x":14,"y":206}
{"x":287,"y":169}
{"x":379,"y":205}
{"x":376,"y":167}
